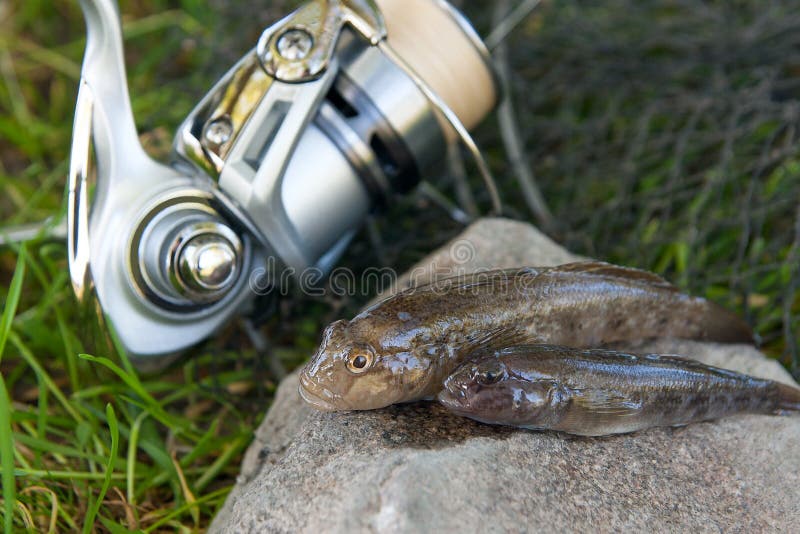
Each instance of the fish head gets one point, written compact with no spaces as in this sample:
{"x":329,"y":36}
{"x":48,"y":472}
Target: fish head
{"x":489,"y":391}
{"x":350,"y":372}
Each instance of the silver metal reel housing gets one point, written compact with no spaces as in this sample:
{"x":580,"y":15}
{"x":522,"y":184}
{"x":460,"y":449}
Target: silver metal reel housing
{"x":282,"y":160}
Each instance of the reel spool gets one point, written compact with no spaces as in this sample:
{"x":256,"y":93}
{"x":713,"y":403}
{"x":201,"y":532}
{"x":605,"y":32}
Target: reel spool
{"x":340,"y":106}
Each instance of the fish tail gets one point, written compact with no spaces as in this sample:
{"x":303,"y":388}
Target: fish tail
{"x":723,"y":326}
{"x":788,"y":398}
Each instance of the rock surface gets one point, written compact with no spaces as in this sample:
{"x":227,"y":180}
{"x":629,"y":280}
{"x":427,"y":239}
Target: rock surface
{"x":415,"y":468}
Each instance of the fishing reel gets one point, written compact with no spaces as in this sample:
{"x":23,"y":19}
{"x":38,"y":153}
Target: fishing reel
{"x":340,"y":106}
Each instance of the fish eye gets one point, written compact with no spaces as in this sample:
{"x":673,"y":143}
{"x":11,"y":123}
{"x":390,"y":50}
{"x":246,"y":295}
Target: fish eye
{"x":489,"y":376}
{"x":359,"y":362}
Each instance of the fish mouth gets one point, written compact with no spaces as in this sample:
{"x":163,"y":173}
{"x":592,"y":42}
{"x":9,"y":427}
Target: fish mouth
{"x":313,"y":399}
{"x":452,"y":397}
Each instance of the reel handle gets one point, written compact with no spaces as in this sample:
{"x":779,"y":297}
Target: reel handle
{"x":103,"y":121}
{"x":103,"y":73}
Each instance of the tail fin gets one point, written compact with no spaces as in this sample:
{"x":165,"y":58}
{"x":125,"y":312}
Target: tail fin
{"x":723,"y":326}
{"x":788,"y":398}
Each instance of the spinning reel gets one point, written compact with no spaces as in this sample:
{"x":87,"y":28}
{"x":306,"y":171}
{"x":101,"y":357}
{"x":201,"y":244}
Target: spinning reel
{"x":340,"y":106}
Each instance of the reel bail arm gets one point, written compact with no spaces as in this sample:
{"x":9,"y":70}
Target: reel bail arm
{"x":300,"y":47}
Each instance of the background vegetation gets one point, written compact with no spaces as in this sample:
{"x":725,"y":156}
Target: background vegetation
{"x":663,"y":134}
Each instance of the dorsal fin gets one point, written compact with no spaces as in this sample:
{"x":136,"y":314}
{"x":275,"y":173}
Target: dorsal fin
{"x":477,"y":279}
{"x":603,"y":269}
{"x":691,"y":364}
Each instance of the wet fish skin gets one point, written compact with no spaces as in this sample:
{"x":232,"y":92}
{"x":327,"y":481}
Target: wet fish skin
{"x":597,"y":392}
{"x":414,"y":339}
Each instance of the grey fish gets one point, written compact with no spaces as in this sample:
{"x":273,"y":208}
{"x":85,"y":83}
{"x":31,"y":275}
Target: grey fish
{"x":402,"y":348}
{"x":599,"y":392}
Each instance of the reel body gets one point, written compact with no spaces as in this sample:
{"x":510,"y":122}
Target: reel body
{"x":326,"y":119}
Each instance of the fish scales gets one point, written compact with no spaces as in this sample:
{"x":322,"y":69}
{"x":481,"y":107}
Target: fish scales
{"x":598,"y":392}
{"x":401,"y":349}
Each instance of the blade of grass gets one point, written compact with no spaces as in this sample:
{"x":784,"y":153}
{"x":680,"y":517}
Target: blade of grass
{"x":160,"y":21}
{"x":113,"y":427}
{"x":43,"y":274}
{"x":69,"y":351}
{"x":25,"y":514}
{"x":49,"y":475}
{"x":57,"y":449}
{"x":12,"y":300}
{"x":115,"y":528}
{"x":181,"y":510}
{"x":43,"y":413}
{"x":53,"y":504}
{"x":31,"y":360}
{"x":133,"y":443}
{"x":43,"y":56}
{"x":187,"y":492}
{"x":118,"y":346}
{"x":150,"y":403}
{"x":230,"y":452}
{"x":6,"y":437}
{"x":7,"y":458}
{"x":203,"y":445}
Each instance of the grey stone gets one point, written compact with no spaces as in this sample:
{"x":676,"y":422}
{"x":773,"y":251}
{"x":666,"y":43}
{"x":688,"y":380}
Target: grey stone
{"x":416,"y":468}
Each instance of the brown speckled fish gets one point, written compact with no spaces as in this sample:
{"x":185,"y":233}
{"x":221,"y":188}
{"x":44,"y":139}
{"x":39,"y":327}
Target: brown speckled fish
{"x":597,"y":392}
{"x":402,"y":348}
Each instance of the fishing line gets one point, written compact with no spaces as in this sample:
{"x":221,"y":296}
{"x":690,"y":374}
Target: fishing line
{"x":510,"y":23}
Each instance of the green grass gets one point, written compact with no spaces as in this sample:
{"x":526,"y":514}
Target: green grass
{"x":635,"y":170}
{"x":87,"y":438}
{"x":86,"y":443}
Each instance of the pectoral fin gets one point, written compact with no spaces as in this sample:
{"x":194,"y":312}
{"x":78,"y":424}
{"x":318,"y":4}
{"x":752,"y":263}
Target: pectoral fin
{"x":493,"y":340}
{"x":599,"y":412}
{"x":607,"y":402}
